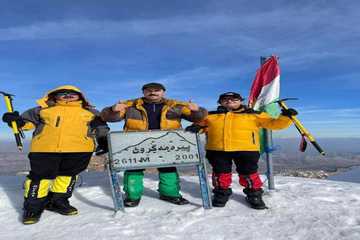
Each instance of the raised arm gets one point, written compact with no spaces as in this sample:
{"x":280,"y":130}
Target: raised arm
{"x":264,"y":120}
{"x":193,"y":113}
{"x":114,"y":113}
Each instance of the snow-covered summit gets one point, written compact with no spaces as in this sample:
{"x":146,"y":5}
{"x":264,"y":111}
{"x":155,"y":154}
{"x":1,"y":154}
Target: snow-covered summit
{"x":298,"y":209}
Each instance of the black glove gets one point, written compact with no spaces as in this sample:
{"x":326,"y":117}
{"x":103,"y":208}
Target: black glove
{"x":289,"y":112}
{"x":96,"y":122}
{"x":102,"y":146}
{"x":13,"y":117}
{"x":193,"y":128}
{"x":222,"y":109}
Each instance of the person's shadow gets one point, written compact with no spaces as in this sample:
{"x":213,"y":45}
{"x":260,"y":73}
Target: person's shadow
{"x":102,"y":179}
{"x":191,"y":188}
{"x":92,"y":179}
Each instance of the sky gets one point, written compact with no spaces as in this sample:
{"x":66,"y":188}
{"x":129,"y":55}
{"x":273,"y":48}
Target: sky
{"x":197,"y":49}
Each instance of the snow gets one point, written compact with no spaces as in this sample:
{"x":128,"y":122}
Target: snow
{"x":298,"y":209}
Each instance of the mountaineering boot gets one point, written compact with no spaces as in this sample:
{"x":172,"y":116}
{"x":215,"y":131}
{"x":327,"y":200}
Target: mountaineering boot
{"x":59,"y":203}
{"x":62,"y":206}
{"x":33,"y":208}
{"x":60,"y":192}
{"x":175,"y":200}
{"x":31,"y":217}
{"x":254,"y":198}
{"x":221,"y":196}
{"x":131,"y":203}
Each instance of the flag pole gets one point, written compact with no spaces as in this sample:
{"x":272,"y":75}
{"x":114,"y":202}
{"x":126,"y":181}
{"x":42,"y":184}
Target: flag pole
{"x":268,"y":148}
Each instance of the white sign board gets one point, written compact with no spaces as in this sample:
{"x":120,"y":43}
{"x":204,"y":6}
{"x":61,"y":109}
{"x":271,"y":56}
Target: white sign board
{"x":153,"y":149}
{"x":138,"y":150}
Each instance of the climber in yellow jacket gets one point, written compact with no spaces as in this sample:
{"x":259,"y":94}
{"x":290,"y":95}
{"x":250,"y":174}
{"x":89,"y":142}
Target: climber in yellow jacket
{"x":153,"y":112}
{"x":233,"y":136}
{"x":65,"y":127}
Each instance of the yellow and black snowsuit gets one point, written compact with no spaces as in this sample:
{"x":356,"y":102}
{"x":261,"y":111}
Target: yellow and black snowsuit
{"x":61,"y":146}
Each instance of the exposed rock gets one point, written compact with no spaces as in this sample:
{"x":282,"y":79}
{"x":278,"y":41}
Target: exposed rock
{"x":97,"y":163}
{"x":306,"y":174}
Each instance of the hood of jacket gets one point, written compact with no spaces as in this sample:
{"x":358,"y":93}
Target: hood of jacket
{"x":47,"y":101}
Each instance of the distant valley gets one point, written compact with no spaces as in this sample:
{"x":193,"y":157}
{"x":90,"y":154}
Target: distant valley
{"x":341,"y":153}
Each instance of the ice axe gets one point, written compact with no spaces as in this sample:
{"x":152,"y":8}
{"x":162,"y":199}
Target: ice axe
{"x":302,"y":130}
{"x":17,"y":133}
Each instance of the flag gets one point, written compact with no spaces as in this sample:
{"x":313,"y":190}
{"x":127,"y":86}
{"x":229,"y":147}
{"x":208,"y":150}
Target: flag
{"x":266,"y":88}
{"x":264,"y":91}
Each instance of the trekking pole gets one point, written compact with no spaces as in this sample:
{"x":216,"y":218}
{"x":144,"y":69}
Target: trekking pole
{"x":302,"y":130}
{"x":17,"y":133}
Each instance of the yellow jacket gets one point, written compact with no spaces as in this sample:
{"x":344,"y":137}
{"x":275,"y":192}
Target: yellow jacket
{"x":238,"y":130}
{"x":136,"y":116}
{"x":63,"y":126}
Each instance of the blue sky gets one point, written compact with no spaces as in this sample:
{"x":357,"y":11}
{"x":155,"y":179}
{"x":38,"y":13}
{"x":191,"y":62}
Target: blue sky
{"x":198,"y":49}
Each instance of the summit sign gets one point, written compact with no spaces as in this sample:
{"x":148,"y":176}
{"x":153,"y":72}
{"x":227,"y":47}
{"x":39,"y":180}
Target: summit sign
{"x":154,"y":149}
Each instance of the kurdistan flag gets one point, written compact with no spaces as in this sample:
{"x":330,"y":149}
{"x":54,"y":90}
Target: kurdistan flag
{"x":266,"y":88}
{"x":264,"y":91}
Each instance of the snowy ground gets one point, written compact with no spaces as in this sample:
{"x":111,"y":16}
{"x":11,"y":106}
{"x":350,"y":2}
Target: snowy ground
{"x":299,"y":209}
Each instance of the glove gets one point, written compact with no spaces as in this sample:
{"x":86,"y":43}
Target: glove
{"x":289,"y":112}
{"x":102,"y":146}
{"x":96,"y":122}
{"x":13,"y":117}
{"x":193,"y":128}
{"x":222,"y":109}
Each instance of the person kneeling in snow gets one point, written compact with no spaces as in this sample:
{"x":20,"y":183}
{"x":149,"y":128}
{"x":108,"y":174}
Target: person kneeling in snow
{"x":62,"y":144}
{"x":233,"y":136}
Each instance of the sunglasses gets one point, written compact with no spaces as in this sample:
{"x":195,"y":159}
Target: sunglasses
{"x":63,"y":94}
{"x":230,"y":99}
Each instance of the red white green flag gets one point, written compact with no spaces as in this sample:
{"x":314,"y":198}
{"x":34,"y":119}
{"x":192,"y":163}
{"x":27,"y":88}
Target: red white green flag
{"x":264,"y":91}
{"x":266,"y":88}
